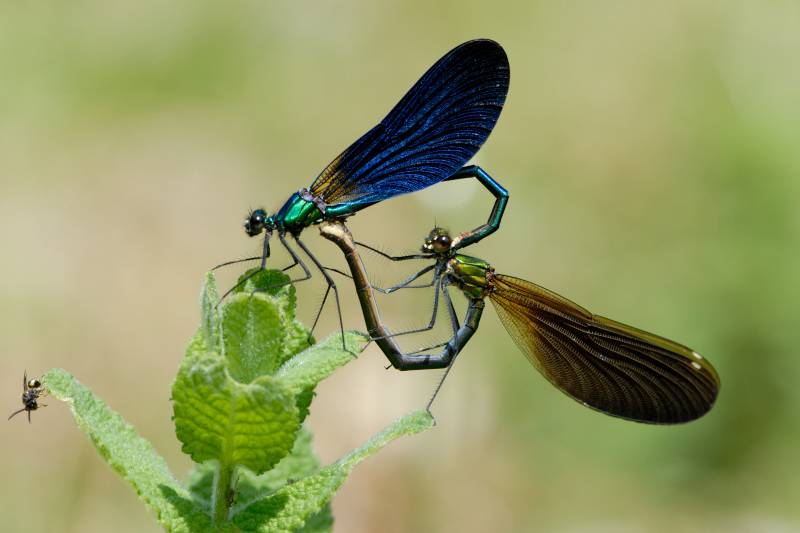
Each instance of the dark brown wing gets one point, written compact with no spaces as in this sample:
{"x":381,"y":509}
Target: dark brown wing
{"x":608,"y":366}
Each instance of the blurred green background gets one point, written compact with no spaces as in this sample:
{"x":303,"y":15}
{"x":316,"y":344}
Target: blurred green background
{"x":652,"y":152}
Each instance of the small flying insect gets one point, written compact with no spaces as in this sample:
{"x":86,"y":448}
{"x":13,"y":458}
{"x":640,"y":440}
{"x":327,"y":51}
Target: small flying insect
{"x":32,"y":390}
{"x":608,"y":366}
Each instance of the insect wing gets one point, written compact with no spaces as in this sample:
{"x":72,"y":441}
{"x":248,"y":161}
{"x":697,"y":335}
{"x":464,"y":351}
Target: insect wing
{"x":432,"y":132}
{"x":608,"y":366}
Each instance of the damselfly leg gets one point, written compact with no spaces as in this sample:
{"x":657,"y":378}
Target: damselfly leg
{"x":331,"y":285}
{"x":296,"y":261}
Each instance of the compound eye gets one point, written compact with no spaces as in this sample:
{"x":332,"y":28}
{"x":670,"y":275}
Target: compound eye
{"x":255,"y":222}
{"x":34,"y":384}
{"x":259,"y":216}
{"x":441,"y":243}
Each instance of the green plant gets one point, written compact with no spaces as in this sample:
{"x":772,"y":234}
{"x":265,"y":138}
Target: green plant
{"x":242,"y":392}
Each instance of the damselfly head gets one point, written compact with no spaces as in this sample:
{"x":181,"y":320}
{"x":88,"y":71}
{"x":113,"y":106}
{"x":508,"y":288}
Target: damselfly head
{"x":257,"y":221}
{"x":438,"y":241}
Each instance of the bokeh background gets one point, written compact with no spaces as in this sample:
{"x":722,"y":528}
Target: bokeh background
{"x":652,"y":152}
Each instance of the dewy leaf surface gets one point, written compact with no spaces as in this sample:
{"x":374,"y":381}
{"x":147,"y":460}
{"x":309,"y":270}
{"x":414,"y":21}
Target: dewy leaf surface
{"x":218,"y":418}
{"x":133,"y":457}
{"x":287,"y":509}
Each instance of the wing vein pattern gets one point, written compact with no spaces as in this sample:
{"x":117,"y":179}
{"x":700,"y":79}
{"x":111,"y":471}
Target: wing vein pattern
{"x":606,"y":365}
{"x":432,"y":132}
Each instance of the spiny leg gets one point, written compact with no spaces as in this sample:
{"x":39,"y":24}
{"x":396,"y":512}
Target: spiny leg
{"x":286,"y":269}
{"x":241,"y":282}
{"x":250,"y":275}
{"x":235,"y":262}
{"x":340,"y":272}
{"x":295,"y":257}
{"x":417,"y":361}
{"x":454,"y":320}
{"x":450,"y":308}
{"x":406,"y":283}
{"x":431,"y":347}
{"x":437,"y":283}
{"x":296,"y":261}
{"x":331,"y":285}
{"x":246,"y":259}
{"x":394,"y":257}
{"x":402,"y":285}
{"x":433,"y":283}
{"x":238,"y":284}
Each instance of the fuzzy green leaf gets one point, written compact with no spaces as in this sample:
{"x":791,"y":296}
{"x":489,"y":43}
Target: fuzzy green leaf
{"x":133,"y":457}
{"x":276,"y":284}
{"x":209,"y":314}
{"x":270,"y":282}
{"x":260,"y":331}
{"x":243,"y":389}
{"x":287,"y":509}
{"x":320,"y":522}
{"x":218,"y":418}
{"x":253,"y":335}
{"x":318,"y":362}
{"x":300,"y":463}
{"x":298,"y":338}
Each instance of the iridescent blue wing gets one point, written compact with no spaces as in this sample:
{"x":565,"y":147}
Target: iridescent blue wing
{"x":432,"y":132}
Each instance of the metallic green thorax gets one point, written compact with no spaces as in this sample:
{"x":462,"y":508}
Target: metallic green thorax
{"x":301,"y":211}
{"x":298,"y":213}
{"x":472,"y":275}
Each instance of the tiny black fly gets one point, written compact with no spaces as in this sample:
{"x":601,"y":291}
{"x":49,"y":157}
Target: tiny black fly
{"x":31,"y":391}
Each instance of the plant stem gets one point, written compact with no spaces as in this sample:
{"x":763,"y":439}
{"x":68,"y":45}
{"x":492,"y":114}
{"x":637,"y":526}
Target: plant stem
{"x":222,"y":493}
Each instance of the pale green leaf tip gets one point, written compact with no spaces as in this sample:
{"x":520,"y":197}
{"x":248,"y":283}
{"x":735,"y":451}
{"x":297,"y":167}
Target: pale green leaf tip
{"x":410,"y":424}
{"x":417,"y":421}
{"x":209,"y":293}
{"x":57,"y":381}
{"x":319,"y":361}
